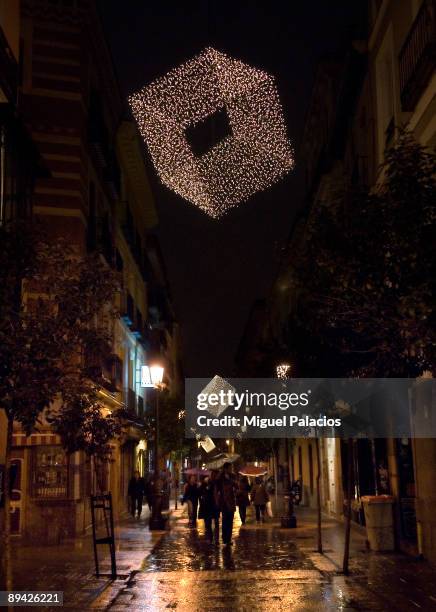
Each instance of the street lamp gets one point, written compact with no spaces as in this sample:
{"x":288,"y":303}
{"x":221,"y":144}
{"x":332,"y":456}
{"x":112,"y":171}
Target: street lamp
{"x":152,"y":377}
{"x":283,"y":372}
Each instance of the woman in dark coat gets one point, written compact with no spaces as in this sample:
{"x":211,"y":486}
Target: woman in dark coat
{"x":190,"y":496}
{"x":208,"y":508}
{"x":259,"y":497}
{"x":242,"y":497}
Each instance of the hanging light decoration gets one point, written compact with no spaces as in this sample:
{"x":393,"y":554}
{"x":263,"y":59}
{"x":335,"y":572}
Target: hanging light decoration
{"x":217,"y":386}
{"x":283,"y":371}
{"x":253,"y":155}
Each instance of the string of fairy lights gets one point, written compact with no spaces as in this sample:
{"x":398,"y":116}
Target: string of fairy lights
{"x":256,"y":153}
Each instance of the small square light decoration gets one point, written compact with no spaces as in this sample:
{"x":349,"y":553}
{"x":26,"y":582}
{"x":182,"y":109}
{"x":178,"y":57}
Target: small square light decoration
{"x":251,"y":157}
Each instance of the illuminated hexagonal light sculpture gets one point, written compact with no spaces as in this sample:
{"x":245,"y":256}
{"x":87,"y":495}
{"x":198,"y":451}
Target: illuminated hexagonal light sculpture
{"x":252,"y":156}
{"x":216,"y":386}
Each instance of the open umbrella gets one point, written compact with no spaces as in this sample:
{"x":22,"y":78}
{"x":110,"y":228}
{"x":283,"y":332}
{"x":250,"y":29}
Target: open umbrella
{"x":252,"y":470}
{"x":219,"y":461}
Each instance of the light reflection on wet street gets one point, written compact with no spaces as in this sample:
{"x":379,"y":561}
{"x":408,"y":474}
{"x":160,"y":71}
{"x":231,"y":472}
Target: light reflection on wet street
{"x":254,"y":548}
{"x":267,"y":569}
{"x":263,"y":570}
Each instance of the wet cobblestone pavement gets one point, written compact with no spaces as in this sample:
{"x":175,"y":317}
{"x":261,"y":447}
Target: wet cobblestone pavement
{"x":270,"y":569}
{"x":267,"y":569}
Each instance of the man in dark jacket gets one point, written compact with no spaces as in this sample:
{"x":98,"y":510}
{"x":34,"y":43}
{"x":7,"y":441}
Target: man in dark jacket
{"x":226,"y":500}
{"x":136,"y":493}
{"x":209,"y":510}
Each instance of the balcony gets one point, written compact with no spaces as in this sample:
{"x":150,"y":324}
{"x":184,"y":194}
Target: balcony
{"x":115,"y":367}
{"x":141,"y":408}
{"x":8,"y":70}
{"x":112,"y":177}
{"x":417,"y":56}
{"x":104,"y":368}
{"x":137,"y":327}
{"x":98,"y":139}
{"x":130,"y":400}
{"x":99,"y":237}
{"x":128,"y":314}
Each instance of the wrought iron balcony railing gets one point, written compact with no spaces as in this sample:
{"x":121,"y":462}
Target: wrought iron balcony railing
{"x":417,"y":57}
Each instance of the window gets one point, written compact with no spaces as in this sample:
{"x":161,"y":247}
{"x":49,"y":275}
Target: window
{"x":139,"y":323}
{"x":50,"y":473}
{"x":385,"y":92}
{"x":130,"y":308}
{"x":119,"y":263}
{"x":92,"y":219}
{"x":140,"y":406}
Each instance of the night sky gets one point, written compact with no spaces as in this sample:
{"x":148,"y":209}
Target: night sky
{"x":216,"y":269}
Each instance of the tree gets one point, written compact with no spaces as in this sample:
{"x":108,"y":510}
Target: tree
{"x":171,"y":422}
{"x":365,"y":277}
{"x":84,"y":424}
{"x":56,"y":309}
{"x":366,"y":274}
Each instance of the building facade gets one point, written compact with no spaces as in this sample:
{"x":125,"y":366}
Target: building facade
{"x":97,"y":196}
{"x":362,"y":97}
{"x":20,"y":162}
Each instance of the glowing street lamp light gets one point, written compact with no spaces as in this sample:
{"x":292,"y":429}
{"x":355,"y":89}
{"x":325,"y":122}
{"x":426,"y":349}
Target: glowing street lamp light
{"x":151,"y":376}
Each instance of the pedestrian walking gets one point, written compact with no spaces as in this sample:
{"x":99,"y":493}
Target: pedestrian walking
{"x":190,"y":496}
{"x":136,"y":491}
{"x":242,"y":498}
{"x":259,"y":497}
{"x":226,"y":501}
{"x":208,"y":510}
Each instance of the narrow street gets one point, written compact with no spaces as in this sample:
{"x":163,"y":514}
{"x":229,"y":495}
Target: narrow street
{"x":217,"y":287}
{"x":269,"y":568}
